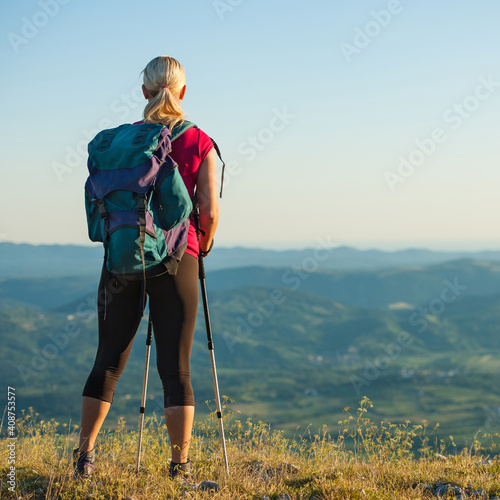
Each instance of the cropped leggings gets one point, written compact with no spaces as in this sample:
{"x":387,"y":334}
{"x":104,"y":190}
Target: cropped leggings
{"x":173,"y":304}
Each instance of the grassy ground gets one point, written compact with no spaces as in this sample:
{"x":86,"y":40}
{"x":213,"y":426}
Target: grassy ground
{"x":365,"y":460}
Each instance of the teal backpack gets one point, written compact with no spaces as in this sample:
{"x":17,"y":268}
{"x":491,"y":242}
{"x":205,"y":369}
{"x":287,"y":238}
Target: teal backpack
{"x":136,"y":201}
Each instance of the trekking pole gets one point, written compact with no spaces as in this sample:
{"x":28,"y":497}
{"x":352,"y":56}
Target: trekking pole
{"x":144,"y":388}
{"x":212,"y":358}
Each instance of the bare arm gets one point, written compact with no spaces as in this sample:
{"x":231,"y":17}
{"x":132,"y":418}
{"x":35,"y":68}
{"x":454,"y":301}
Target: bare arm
{"x":208,"y":203}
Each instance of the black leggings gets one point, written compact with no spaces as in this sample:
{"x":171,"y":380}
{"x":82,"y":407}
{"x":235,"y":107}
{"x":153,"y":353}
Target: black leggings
{"x":173,"y":304}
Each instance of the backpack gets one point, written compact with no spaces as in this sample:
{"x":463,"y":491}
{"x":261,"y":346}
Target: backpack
{"x":136,"y":201}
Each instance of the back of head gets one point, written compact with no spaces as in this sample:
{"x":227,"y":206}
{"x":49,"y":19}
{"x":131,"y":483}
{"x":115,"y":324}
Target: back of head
{"x":164,"y":79}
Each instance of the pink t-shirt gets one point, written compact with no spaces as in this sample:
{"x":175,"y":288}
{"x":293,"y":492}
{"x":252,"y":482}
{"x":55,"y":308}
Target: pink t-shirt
{"x":188,"y":151}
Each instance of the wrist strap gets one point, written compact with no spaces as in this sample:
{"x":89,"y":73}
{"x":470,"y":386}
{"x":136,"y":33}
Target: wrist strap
{"x":204,"y":254}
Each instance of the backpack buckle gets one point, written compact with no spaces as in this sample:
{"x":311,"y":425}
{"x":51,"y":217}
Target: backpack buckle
{"x":141,"y":205}
{"x":102,"y":209}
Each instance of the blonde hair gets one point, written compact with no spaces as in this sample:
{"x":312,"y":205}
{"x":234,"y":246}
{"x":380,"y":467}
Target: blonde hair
{"x":164,"y":108}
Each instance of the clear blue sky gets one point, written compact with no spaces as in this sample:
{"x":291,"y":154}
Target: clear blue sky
{"x":317,"y":106}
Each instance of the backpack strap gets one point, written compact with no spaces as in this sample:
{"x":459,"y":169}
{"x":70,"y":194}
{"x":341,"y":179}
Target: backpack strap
{"x":103,"y":213}
{"x":179,"y":129}
{"x":141,"y":211}
{"x":196,"y":216}
{"x":217,"y":150}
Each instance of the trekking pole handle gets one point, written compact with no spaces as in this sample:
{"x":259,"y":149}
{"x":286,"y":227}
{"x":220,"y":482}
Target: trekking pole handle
{"x":205,"y":303}
{"x":201,"y":267}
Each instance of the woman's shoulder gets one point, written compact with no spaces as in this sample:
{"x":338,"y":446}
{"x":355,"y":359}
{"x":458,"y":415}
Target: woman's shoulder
{"x":192,"y":136}
{"x":191,"y":131}
{"x":196,"y":132}
{"x":195,"y":135}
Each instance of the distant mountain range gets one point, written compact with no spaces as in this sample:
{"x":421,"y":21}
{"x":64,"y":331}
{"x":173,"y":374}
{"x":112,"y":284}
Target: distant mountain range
{"x":18,"y":260}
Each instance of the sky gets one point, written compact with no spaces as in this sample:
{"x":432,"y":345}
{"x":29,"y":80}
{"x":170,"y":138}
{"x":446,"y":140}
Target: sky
{"x":370,"y":123}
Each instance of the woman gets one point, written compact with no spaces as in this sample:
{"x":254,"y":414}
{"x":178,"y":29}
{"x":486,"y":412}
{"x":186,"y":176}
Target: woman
{"x":173,"y":300}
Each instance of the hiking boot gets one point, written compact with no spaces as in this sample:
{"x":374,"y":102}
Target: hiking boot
{"x":180,"y":471}
{"x":83,"y":462}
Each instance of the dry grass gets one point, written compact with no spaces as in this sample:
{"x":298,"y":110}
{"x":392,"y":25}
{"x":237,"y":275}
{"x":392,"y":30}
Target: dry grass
{"x":366,"y":460}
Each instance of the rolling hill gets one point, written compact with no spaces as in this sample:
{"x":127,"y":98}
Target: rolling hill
{"x":382,"y":288}
{"x":290,"y":358}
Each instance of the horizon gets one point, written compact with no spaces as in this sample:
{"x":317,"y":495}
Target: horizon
{"x":391,"y":247}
